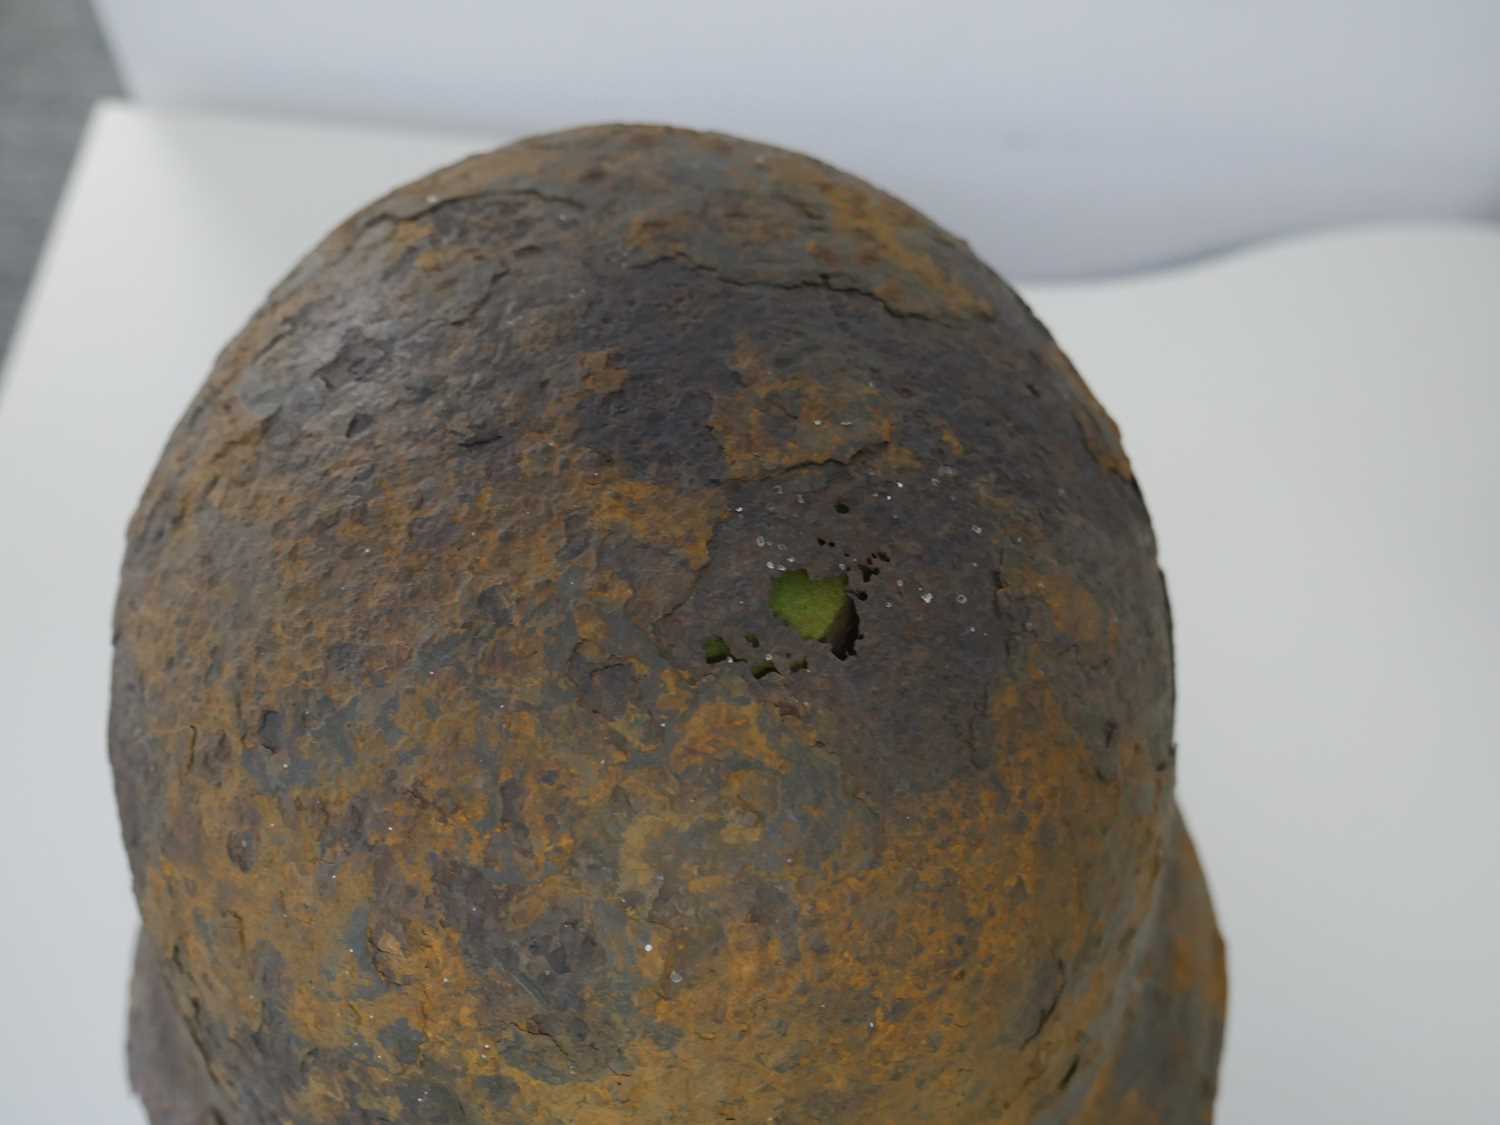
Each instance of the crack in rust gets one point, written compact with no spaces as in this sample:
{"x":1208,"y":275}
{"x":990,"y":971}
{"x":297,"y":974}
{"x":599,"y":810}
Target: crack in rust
{"x":824,"y":282}
{"x":1047,"y":1012}
{"x":386,"y":215}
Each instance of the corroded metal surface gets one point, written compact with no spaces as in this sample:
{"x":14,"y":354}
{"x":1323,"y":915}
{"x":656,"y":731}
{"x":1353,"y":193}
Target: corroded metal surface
{"x":467,"y":773}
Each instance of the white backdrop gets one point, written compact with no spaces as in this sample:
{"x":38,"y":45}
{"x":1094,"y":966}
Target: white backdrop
{"x":1061,"y":137}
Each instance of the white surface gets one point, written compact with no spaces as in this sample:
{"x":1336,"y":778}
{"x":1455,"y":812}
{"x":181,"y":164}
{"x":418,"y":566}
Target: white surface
{"x":1314,"y":426}
{"x":1063,"y":137}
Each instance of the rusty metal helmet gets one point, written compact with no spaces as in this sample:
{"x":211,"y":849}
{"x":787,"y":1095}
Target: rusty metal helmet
{"x":645,"y":627}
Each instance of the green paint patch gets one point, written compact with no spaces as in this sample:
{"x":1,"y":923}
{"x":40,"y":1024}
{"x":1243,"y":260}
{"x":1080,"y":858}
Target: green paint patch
{"x":819,"y":609}
{"x":809,"y":605}
{"x":715,"y":650}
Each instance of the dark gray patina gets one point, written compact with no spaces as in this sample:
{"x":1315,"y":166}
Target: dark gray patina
{"x":468,"y":771}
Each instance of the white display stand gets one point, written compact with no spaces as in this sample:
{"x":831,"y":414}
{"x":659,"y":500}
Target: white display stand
{"x":1314,"y":424}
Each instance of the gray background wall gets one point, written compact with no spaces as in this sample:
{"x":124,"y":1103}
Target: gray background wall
{"x":53,"y":64}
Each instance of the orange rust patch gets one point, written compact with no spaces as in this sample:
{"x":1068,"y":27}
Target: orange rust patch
{"x":883,"y":230}
{"x":1076,"y":613}
{"x":725,"y":730}
{"x":899,"y":459}
{"x":601,"y":375}
{"x":655,"y":514}
{"x":412,"y":232}
{"x":780,"y":420}
{"x":441,"y":258}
